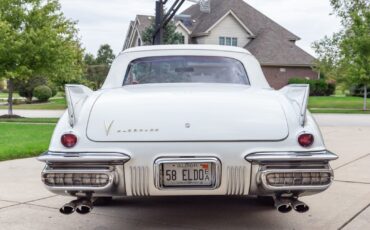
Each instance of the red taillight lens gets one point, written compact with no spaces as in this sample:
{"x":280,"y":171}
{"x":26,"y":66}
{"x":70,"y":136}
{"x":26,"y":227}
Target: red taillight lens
{"x":69,"y":140}
{"x":305,"y":140}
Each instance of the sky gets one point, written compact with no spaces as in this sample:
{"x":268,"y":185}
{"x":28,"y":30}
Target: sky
{"x":107,"y":21}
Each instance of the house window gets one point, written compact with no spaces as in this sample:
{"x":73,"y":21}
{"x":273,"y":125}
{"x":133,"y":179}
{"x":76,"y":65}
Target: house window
{"x":222,"y":41}
{"x":228,"y":41}
{"x":138,"y":42}
{"x":182,"y":40}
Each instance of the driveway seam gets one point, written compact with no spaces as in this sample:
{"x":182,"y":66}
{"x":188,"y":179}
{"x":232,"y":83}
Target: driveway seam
{"x":353,"y":182}
{"x":354,"y":217}
{"x":26,"y":202}
{"x":350,"y":162}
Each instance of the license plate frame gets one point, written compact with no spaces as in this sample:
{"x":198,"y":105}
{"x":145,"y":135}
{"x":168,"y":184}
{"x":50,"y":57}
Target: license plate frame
{"x":215,"y":172}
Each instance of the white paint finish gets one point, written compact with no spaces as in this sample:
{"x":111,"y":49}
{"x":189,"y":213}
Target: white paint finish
{"x":215,"y":112}
{"x":228,"y":27}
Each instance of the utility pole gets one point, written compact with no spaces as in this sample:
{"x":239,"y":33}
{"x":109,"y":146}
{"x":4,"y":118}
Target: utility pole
{"x":161,"y":19}
{"x":158,"y":35}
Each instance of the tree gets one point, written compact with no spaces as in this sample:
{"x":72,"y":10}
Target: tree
{"x":97,"y":69}
{"x":105,"y":55}
{"x":347,"y":53}
{"x":170,"y":36}
{"x":37,"y":40}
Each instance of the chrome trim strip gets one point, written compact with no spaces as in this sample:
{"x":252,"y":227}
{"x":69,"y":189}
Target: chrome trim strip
{"x":83,"y":157}
{"x":291,"y":156}
{"x":107,"y":188}
{"x":216,"y":180}
{"x":262,"y":175}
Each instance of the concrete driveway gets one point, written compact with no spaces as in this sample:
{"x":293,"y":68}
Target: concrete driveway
{"x":25,"y":204}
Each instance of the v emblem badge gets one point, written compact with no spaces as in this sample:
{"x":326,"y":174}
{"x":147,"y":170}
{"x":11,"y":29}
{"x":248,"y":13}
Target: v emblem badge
{"x":108,"y":126}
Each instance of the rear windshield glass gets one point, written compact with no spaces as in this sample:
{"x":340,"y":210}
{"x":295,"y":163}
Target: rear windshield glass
{"x":186,"y":69}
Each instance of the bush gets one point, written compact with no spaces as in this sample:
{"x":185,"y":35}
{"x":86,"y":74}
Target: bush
{"x":2,"y":84}
{"x":358,"y":90}
{"x":317,"y":87}
{"x":54,"y":89}
{"x":26,"y":88}
{"x":42,"y":93}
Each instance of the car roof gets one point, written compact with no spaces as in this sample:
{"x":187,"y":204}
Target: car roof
{"x":187,"y":47}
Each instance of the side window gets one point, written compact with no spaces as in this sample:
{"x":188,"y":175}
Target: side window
{"x":235,"y":42}
{"x":222,"y":41}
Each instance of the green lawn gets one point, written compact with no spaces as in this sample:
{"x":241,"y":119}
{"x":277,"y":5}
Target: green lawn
{"x":335,"y":104}
{"x":23,"y":140}
{"x":30,"y":120}
{"x":53,"y":104}
{"x":3,"y":95}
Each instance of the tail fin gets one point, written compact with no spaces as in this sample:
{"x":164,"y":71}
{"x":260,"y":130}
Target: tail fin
{"x":298,"y":95}
{"x":75,"y":96}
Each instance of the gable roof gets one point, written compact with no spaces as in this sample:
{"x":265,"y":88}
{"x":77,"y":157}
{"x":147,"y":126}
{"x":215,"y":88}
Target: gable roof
{"x":255,"y":20}
{"x":272,"y":44}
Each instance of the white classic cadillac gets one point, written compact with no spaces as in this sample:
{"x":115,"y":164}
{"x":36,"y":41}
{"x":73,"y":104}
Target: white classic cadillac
{"x":186,"y":120}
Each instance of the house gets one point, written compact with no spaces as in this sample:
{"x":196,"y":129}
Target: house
{"x":236,"y":23}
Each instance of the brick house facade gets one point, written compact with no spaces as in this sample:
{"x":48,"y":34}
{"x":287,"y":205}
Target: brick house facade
{"x":236,"y":23}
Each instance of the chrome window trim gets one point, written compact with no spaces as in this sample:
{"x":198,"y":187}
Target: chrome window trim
{"x":291,"y":156}
{"x":216,"y":179}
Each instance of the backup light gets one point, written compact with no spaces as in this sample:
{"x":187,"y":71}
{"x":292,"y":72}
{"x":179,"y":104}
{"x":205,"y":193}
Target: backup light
{"x":69,"y":140}
{"x":76,"y":179}
{"x":298,"y":179}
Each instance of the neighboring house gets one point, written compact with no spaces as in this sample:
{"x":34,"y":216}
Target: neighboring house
{"x":235,"y":23}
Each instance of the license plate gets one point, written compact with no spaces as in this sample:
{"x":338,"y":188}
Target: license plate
{"x":197,"y":174}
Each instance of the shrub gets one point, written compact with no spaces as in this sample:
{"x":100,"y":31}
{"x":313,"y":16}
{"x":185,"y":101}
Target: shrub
{"x":54,"y":89}
{"x":2,"y":84}
{"x":317,"y":87}
{"x":26,"y":88}
{"x":358,"y":90}
{"x":42,"y":93}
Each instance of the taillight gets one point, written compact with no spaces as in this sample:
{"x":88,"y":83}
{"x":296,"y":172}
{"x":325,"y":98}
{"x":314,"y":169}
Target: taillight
{"x":69,"y":140}
{"x":306,"y":140}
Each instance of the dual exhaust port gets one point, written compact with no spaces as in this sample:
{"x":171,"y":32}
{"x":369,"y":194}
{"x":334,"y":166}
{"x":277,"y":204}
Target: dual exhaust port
{"x":285,"y":205}
{"x":81,"y":206}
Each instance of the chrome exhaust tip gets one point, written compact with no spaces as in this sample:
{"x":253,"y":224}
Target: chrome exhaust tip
{"x":283,"y":205}
{"x":84,"y":207}
{"x":300,"y":206}
{"x":69,"y":208}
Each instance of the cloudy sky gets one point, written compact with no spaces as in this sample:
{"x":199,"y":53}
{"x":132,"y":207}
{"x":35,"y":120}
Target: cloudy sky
{"x":106,"y":21}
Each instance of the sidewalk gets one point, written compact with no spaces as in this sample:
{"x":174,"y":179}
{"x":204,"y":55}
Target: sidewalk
{"x":35,"y":113}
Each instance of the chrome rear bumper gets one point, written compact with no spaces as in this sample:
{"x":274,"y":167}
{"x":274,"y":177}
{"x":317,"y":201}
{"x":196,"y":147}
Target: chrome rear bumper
{"x":290,"y":172}
{"x":83,"y":173}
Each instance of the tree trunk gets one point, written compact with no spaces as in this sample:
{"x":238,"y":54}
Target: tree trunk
{"x":10,"y":96}
{"x":365,"y":97}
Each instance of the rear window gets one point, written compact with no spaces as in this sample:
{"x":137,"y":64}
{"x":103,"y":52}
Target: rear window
{"x":186,"y":69}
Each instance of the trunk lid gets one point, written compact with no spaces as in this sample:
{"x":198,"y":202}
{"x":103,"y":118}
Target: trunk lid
{"x":187,"y":112}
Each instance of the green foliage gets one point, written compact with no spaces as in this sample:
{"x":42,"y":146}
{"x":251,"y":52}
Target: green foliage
{"x":345,"y":56}
{"x":105,"y":55}
{"x":2,"y":84}
{"x":97,"y":69}
{"x":42,"y":93}
{"x":358,"y":90}
{"x":96,"y":75}
{"x":37,"y":40}
{"x":170,"y":36}
{"x":25,"y":87}
{"x":54,"y":89}
{"x":317,"y":87}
